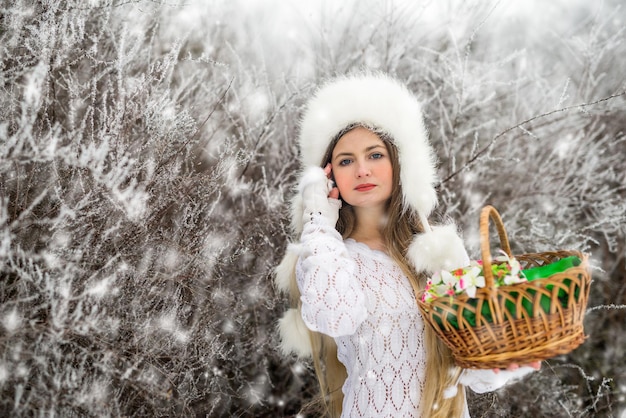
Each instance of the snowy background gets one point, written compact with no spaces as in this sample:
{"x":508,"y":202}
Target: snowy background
{"x":147,"y":152}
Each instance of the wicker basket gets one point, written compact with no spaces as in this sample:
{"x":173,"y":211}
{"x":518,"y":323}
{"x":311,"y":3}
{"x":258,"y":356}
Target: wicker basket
{"x":553,"y":324}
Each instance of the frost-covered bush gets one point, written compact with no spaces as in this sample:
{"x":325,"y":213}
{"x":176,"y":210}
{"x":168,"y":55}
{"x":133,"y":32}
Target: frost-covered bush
{"x":132,"y":211}
{"x":147,"y":155}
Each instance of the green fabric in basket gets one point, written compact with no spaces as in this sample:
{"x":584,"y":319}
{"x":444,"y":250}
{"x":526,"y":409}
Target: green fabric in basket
{"x":548,"y":270}
{"x":469,"y":316}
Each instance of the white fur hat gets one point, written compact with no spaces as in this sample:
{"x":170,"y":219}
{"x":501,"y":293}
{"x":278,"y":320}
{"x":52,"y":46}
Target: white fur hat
{"x":381,"y":102}
{"x":384,"y":103}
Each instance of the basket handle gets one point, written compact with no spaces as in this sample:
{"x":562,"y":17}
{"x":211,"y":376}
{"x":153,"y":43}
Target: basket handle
{"x":485,"y":249}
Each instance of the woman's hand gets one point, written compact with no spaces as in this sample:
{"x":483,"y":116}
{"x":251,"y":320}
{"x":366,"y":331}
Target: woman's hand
{"x":334,"y":192}
{"x":514,"y":366}
{"x":317,"y":193}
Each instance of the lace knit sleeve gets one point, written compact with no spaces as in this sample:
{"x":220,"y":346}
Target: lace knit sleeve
{"x":333,"y":302}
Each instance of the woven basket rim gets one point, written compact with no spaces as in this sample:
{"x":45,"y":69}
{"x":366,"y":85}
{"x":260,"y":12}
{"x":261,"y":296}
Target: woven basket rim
{"x":582,"y":268}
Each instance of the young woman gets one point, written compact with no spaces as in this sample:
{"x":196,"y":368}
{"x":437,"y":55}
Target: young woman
{"x":365,"y":245}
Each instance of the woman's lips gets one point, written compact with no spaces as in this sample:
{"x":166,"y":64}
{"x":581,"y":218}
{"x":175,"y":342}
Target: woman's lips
{"x":364,"y":187}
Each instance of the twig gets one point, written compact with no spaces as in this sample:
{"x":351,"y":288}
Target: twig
{"x":605,"y":307}
{"x":264,"y":131}
{"x":199,"y":131}
{"x":487,"y":147}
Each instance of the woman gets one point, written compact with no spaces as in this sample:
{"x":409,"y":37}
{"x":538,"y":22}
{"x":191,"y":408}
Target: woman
{"x":365,"y":245}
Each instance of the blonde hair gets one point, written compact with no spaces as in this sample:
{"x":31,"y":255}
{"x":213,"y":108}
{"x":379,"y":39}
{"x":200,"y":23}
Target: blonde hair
{"x":398,"y":232}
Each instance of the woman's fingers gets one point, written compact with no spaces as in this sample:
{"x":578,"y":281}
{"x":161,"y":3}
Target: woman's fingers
{"x":510,"y":367}
{"x":514,"y":366}
{"x":328,"y":169}
{"x":334,"y":192}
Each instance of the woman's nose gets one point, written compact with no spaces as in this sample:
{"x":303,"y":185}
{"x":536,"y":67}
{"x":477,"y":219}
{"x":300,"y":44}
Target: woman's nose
{"x":363,"y":170}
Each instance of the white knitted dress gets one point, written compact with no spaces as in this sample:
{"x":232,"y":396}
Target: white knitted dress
{"x":362,"y":299}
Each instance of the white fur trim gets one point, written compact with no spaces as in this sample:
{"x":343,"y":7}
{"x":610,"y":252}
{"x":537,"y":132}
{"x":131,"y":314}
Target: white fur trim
{"x":381,"y":101}
{"x":440,"y":249}
{"x":294,"y":334}
{"x":312,"y":175}
{"x":297,"y":208}
{"x":285,"y":271}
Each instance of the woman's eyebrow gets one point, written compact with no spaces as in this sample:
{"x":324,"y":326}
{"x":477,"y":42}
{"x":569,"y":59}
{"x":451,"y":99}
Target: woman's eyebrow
{"x":374,"y":147}
{"x":350,"y":154}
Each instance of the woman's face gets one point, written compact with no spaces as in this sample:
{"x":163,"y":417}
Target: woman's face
{"x":362,"y":169}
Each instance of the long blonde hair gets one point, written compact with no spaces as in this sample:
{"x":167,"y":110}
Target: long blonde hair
{"x":398,"y":232}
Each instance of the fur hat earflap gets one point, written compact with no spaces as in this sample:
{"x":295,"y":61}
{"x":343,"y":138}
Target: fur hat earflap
{"x":285,"y":271}
{"x":296,"y":213}
{"x":294,"y":334}
{"x":438,"y":248}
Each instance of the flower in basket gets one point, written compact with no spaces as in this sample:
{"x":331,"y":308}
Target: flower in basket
{"x":506,"y":271}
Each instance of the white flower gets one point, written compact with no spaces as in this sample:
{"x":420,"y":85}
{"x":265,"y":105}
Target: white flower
{"x":515,"y":268}
{"x":509,"y":279}
{"x":448,"y":278}
{"x":436,"y":278}
{"x":474,"y":280}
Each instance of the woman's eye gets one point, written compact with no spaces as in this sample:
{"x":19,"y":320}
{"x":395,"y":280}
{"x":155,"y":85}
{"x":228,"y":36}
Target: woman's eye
{"x":377,"y":155}
{"x":345,"y":162}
